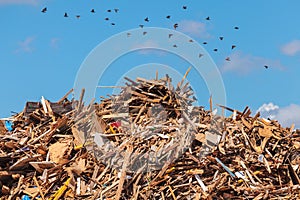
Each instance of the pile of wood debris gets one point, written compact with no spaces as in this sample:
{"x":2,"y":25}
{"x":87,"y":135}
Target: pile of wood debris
{"x":158,"y":137}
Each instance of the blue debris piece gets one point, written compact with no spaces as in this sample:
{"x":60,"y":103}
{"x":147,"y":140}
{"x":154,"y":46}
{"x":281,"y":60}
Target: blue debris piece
{"x":25,"y":197}
{"x":226,"y":168}
{"x":8,"y":125}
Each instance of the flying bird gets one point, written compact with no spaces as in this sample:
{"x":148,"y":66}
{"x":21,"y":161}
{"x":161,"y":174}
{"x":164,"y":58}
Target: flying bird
{"x":175,"y":26}
{"x":77,"y":16}
{"x":200,"y":55}
{"x":113,"y":24}
{"x":170,"y":35}
{"x":116,"y":10}
{"x":215,"y":49}
{"x":146,"y":19}
{"x":204,"y":43}
{"x":175,"y":45}
{"x":106,"y":18}
{"x":227,"y":59}
{"x":144,"y":33}
{"x":168,"y":16}
{"x":233,"y":46}
{"x":266,"y":66}
{"x":66,"y":15}
{"x":184,"y":7}
{"x":236,"y":27}
{"x":191,"y":40}
{"x":44,"y":10}
{"x":141,"y":26}
{"x":207,"y":18}
{"x":108,"y":10}
{"x":221,"y":38}
{"x":93,"y":11}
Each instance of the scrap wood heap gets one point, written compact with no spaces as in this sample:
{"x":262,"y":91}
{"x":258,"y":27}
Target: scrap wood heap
{"x":155,"y":118}
{"x":42,"y":154}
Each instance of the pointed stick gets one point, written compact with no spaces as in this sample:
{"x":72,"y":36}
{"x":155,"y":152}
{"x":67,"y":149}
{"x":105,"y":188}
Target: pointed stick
{"x":66,"y":95}
{"x":230,"y":109}
{"x":184,"y":77}
{"x":39,"y":188}
{"x":123,"y":172}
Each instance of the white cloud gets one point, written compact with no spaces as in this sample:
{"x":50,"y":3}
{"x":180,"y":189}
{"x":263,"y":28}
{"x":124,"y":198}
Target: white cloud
{"x":291,"y":48}
{"x":268,"y":107}
{"x":246,"y":63}
{"x":285,"y":115}
{"x":25,"y":46}
{"x":193,"y":28}
{"x":7,"y":2}
{"x":268,"y":110}
{"x":289,"y":115}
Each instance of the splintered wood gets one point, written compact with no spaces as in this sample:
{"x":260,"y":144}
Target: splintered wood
{"x":157,"y":119}
{"x":151,"y":143}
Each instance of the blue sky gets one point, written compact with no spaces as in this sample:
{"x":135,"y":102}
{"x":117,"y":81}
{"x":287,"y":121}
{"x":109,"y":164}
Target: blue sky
{"x":40,"y":53}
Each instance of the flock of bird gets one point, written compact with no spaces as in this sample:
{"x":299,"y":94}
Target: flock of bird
{"x":146,"y":19}
{"x":44,"y":10}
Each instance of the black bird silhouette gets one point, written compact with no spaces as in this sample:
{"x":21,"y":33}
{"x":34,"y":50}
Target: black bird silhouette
{"x":106,"y":18}
{"x":170,"y":35}
{"x":93,"y":11}
{"x":221,"y":38}
{"x":191,"y":41}
{"x":236,"y":27}
{"x":168,"y":16}
{"x":233,"y":46}
{"x":207,"y":18}
{"x":200,"y":55}
{"x":204,"y":42}
{"x":66,"y":15}
{"x":266,"y":66}
{"x":141,"y":26}
{"x":116,"y":10}
{"x":77,"y":16}
{"x":175,"y":26}
{"x":175,"y":46}
{"x":146,"y":19}
{"x":144,"y":33}
{"x":184,"y":7}
{"x":215,"y":49}
{"x":109,"y":10}
{"x":113,"y":24}
{"x":44,"y":10}
{"x":227,"y":59}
